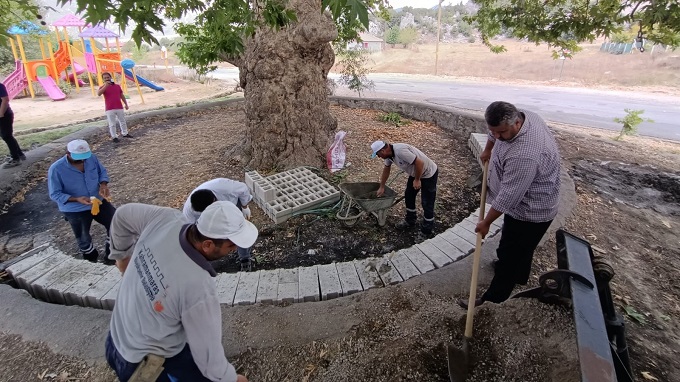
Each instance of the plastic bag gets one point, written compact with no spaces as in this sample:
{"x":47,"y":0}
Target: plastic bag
{"x":335,"y":159}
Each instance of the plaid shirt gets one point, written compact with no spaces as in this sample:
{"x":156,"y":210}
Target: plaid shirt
{"x":524,"y":173}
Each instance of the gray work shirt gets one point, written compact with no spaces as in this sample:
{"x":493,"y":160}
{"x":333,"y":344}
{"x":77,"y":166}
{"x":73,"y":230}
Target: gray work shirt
{"x":524,"y":173}
{"x":405,"y":158}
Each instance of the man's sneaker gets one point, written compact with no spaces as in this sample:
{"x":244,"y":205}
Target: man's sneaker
{"x":403,"y":224}
{"x":116,"y":140}
{"x":128,"y":136}
{"x":92,"y":256}
{"x":22,"y":156}
{"x":12,"y":163}
{"x":248,"y":265}
{"x":108,"y":261}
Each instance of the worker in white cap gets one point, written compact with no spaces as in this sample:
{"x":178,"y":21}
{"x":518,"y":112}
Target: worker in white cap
{"x":167,"y":302}
{"x":422,"y":175}
{"x":74,"y":181}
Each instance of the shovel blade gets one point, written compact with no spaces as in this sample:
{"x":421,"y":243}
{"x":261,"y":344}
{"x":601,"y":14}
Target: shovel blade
{"x":458,"y":362}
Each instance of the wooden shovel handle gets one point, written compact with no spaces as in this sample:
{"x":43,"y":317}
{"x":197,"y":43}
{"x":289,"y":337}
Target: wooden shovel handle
{"x":477,"y":256}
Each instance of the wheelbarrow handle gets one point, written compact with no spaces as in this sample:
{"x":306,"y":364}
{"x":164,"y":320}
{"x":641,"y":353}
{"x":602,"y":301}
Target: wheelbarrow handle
{"x":399,"y":199}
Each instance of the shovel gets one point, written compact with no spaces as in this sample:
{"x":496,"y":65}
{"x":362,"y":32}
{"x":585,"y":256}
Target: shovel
{"x":459,"y":359}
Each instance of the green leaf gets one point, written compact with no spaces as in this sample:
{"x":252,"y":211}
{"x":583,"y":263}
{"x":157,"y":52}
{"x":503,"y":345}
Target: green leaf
{"x":632,"y":313}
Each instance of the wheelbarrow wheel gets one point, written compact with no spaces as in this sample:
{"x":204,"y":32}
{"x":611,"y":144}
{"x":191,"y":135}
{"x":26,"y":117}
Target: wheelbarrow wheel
{"x":351,"y":217}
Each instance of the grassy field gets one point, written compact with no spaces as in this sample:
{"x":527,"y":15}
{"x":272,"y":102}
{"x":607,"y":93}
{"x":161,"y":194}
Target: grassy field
{"x":528,"y":62}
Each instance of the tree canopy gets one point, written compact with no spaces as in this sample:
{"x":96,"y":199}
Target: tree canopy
{"x":564,"y":23}
{"x":14,"y":12}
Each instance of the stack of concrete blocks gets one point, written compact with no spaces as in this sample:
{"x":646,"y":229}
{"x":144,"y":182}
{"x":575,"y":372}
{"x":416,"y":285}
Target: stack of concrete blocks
{"x":477,"y":142}
{"x":283,"y":194}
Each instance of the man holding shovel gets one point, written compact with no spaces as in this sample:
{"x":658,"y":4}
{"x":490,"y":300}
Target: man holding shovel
{"x":524,"y":185}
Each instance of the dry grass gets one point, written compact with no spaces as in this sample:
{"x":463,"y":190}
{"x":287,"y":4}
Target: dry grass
{"x":528,"y":62}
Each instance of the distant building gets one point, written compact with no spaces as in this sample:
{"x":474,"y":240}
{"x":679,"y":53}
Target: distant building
{"x":368,"y":42}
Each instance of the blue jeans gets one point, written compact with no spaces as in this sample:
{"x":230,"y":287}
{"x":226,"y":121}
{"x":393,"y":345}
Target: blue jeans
{"x":180,"y":368}
{"x":82,"y":221}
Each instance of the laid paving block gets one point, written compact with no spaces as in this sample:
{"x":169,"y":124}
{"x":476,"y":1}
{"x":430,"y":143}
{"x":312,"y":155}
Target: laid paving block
{"x":74,"y":294}
{"x":57,"y":290}
{"x":39,"y":287}
{"x":309,"y":284}
{"x":387,"y":272}
{"x":367,"y":269}
{"x":418,"y":259}
{"x":246,"y":289}
{"x":6,"y":264}
{"x":93,"y":296}
{"x":109,"y":299}
{"x":403,"y":265}
{"x":349,"y":279}
{"x":449,"y":249}
{"x":18,"y":268}
{"x":468,"y":225}
{"x":468,"y":236}
{"x":226,"y":287}
{"x":268,"y":287}
{"x":25,"y":279}
{"x":438,"y":258}
{"x":329,"y":282}
{"x":289,"y":286}
{"x":457,"y":241}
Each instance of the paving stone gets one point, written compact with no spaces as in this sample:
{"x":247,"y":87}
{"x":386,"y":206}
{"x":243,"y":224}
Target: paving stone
{"x":268,"y":287}
{"x":289,"y":286}
{"x":468,"y":236}
{"x":449,"y":249}
{"x":74,"y":295}
{"x":93,"y":296}
{"x":31,"y":260}
{"x":457,"y":241}
{"x":468,"y":225}
{"x":438,"y":258}
{"x":418,"y":259}
{"x":329,"y":282}
{"x":403,"y":265}
{"x":57,"y":290}
{"x":367,"y":269}
{"x":109,"y":299}
{"x":19,"y":244}
{"x":25,"y":279}
{"x":246,"y":291}
{"x":40,"y":287}
{"x":387,"y":272}
{"x":309,"y":284}
{"x":349,"y":279}
{"x":226,"y":287}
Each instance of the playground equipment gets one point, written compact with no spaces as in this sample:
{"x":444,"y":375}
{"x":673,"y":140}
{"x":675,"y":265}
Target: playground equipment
{"x":62,"y":64}
{"x":43,"y":71}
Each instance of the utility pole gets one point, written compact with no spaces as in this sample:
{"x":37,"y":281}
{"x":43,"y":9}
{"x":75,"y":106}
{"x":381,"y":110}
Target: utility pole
{"x":439,"y":27}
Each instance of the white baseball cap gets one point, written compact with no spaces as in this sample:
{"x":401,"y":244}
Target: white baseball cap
{"x":223,"y":220}
{"x":79,"y":149}
{"x":376,"y":146}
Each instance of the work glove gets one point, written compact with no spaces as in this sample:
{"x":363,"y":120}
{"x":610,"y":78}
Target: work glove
{"x":246,"y":213}
{"x":95,"y":205}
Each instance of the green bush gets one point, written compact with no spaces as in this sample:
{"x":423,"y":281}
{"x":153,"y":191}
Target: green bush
{"x":630,"y":122}
{"x":393,"y":119}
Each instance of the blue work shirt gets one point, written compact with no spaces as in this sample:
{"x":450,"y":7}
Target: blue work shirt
{"x":64,"y":181}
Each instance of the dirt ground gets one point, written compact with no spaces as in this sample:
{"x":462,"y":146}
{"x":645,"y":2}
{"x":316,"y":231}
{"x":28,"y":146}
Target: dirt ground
{"x":627,"y":209}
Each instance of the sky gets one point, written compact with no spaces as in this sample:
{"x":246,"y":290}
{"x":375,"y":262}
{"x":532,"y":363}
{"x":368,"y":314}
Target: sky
{"x":416,"y":3}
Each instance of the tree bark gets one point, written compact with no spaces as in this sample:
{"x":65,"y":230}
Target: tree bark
{"x":283,"y":74}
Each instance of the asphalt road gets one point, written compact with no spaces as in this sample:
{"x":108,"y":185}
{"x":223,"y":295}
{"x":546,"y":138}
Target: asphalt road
{"x":578,"y":106}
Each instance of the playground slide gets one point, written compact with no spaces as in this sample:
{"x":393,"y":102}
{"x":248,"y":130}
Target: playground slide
{"x":143,"y":81}
{"x":79,"y":70}
{"x":51,"y":88}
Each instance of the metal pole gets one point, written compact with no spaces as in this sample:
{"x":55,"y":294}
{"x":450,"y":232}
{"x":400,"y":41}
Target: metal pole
{"x":439,"y":26}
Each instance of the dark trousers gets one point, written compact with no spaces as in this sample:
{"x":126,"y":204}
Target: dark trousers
{"x":515,"y":252}
{"x":82,"y":221}
{"x":180,"y":368}
{"x":7,"y":134}
{"x":428,"y":196}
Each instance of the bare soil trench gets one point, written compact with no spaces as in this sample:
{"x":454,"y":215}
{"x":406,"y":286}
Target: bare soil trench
{"x":627,"y":209}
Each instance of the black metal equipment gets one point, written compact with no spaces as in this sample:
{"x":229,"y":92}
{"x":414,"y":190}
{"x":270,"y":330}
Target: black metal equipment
{"x":582,"y":282}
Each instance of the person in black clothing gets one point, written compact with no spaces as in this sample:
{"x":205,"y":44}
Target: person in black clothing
{"x":7,"y":130}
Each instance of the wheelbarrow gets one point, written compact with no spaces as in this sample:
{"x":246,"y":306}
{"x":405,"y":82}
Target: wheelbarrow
{"x":360,"y":199}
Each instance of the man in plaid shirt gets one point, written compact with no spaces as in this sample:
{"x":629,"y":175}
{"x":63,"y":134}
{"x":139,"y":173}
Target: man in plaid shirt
{"x":524,"y":185}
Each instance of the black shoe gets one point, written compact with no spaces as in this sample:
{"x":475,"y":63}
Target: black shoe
{"x":92,"y":256}
{"x":128,"y":136}
{"x":108,"y":261}
{"x":116,"y":140}
{"x":463,"y":302}
{"x":248,"y":265}
{"x":22,"y":156}
{"x":11,"y":163}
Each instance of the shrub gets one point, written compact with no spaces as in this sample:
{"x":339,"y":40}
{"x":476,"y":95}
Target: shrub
{"x":394,"y":119}
{"x":630,"y":122}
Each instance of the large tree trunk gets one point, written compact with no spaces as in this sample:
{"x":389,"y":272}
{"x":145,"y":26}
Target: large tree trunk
{"x":283,"y":74}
